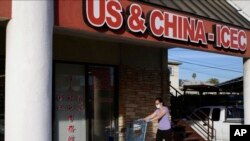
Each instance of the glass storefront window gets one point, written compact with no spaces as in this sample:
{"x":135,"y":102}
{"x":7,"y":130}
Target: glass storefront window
{"x":84,"y":111}
{"x":70,"y":115}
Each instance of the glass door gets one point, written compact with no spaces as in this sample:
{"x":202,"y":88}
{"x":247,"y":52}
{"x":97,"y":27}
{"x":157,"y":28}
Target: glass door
{"x":69,"y":106}
{"x":101,"y":95}
{"x":84,"y":111}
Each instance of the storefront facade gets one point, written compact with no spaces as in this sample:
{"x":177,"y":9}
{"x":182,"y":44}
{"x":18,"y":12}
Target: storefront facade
{"x":117,"y":84}
{"x":81,"y":70}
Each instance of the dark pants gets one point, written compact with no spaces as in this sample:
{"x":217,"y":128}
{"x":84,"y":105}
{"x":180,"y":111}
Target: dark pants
{"x":163,"y":134}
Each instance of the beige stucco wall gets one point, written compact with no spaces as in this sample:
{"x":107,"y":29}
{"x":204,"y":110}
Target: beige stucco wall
{"x":174,"y":77}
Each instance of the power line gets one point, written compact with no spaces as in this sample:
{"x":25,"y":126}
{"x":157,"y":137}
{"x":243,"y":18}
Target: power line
{"x":195,"y":51}
{"x":191,"y":70}
{"x":200,"y":62}
{"x":210,"y":66}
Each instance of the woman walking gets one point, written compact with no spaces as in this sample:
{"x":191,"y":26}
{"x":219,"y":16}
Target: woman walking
{"x":161,"y":114}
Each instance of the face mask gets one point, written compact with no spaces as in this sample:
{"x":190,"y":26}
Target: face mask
{"x":157,"y":106}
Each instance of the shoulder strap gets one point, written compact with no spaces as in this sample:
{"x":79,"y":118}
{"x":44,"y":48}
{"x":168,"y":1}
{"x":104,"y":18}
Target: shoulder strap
{"x":161,"y":118}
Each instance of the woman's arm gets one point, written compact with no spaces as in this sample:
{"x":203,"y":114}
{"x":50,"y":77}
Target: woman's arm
{"x":161,"y":114}
{"x":150,"y":117}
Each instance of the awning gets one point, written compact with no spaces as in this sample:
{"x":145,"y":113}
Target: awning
{"x":234,"y":85}
{"x":201,"y":88}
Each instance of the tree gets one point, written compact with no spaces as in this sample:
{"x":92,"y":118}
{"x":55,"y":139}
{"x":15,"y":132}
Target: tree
{"x":194,"y":75}
{"x":214,"y":81}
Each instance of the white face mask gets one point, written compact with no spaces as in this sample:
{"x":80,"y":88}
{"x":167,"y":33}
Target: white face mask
{"x":158,"y":106}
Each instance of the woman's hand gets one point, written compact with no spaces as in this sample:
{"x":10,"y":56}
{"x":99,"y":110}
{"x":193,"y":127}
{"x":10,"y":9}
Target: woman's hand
{"x":147,"y":119}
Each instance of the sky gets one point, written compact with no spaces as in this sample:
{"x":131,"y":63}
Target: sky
{"x":206,"y":65}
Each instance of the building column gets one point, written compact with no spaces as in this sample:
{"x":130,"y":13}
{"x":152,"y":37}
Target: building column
{"x":246,"y":91}
{"x":28,"y":108}
{"x":165,"y":77}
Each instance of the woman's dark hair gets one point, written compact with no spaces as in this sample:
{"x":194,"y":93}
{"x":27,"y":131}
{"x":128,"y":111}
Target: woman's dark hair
{"x":160,"y":100}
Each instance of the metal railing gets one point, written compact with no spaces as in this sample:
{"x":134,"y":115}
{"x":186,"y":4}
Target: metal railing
{"x":177,"y":93}
{"x":178,"y":102}
{"x":206,"y":125}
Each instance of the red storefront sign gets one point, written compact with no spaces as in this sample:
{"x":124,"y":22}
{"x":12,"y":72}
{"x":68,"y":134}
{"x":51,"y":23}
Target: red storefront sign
{"x":5,"y":8}
{"x":231,"y":38}
{"x":163,"y":24}
{"x":148,"y":25}
{"x":141,"y":23}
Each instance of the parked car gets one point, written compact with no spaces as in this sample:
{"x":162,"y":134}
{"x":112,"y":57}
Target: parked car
{"x":215,"y":121}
